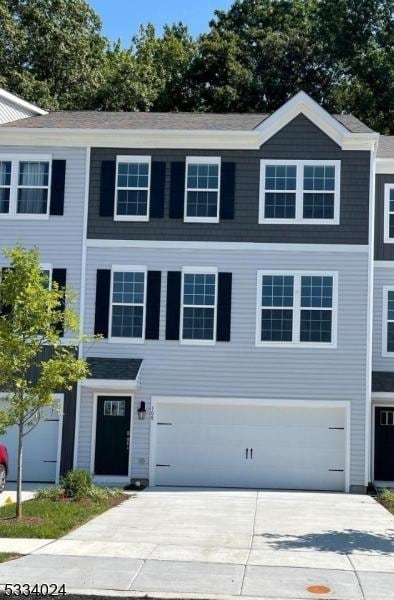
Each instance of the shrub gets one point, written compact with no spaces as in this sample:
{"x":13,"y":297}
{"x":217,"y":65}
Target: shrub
{"x":77,"y":484}
{"x":50,"y":493}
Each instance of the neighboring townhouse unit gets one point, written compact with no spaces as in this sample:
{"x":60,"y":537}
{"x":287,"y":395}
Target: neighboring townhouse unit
{"x":226,"y":261}
{"x":383,"y":338}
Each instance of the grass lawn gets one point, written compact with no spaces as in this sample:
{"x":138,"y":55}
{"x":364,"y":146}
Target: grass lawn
{"x":49,"y":519}
{"x":386,"y":498}
{"x":5,"y":556}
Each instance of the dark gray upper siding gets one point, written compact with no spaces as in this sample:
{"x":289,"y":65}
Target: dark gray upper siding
{"x":300,"y":139}
{"x":382,"y":251}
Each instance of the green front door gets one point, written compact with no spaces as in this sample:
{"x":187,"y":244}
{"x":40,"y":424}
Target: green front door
{"x":112,"y":435}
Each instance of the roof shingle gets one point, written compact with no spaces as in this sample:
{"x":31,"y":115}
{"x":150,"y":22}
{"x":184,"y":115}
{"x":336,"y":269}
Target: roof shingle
{"x":114,"y":368}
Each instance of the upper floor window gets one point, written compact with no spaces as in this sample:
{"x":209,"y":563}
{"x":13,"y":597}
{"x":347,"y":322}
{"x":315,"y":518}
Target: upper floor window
{"x":133,"y":174}
{"x":296,"y":308}
{"x":24,"y":187}
{"x":199,"y":302}
{"x":299,"y":192}
{"x":389,"y":213}
{"x":202,"y":190}
{"x":127,"y":312}
{"x":388,"y":321}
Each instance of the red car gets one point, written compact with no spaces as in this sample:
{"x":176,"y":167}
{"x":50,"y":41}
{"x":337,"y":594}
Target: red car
{"x":3,"y":466}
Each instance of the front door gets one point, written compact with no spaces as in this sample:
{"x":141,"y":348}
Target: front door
{"x":384,"y":443}
{"x":112,"y":435}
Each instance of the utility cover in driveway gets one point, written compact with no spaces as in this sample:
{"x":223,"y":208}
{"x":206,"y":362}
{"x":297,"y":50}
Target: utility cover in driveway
{"x":250,"y":446}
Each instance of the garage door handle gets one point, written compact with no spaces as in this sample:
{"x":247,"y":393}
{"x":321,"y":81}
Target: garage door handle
{"x":251,"y":453}
{"x":246,"y":453}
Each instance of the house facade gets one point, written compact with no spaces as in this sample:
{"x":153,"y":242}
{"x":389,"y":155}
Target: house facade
{"x":231,"y":267}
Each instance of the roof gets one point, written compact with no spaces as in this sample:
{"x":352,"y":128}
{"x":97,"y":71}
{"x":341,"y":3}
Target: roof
{"x":156,"y":120}
{"x":383,"y":381}
{"x":114,"y":368}
{"x":14,"y":108}
{"x":386,"y":146}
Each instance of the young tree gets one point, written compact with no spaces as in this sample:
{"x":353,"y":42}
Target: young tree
{"x":33,"y":316}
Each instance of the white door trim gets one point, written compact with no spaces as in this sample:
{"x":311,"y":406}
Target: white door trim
{"x":382,"y":404}
{"x":155,"y":400}
{"x":119,"y":478}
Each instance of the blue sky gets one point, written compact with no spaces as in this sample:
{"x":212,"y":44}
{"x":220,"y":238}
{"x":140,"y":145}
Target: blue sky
{"x":121,"y":18}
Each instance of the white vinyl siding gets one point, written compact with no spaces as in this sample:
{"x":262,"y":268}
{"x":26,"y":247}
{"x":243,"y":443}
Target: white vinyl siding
{"x":132,"y":194}
{"x":202,"y":189}
{"x":300,"y":191}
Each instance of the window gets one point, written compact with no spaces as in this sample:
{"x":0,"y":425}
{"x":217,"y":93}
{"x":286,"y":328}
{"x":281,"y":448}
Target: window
{"x":132,"y":188}
{"x":299,"y":191}
{"x":46,"y":270}
{"x":388,"y":321}
{"x":202,"y":189}
{"x":199,"y":299}
{"x":296,"y":308}
{"x":24,"y":186}
{"x":389,"y":213}
{"x":128,"y":304}
{"x":114,"y":408}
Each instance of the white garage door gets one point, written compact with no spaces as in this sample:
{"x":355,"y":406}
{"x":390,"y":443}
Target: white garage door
{"x":258,"y":447}
{"x":39,"y":450}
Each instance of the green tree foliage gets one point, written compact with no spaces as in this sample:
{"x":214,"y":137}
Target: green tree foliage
{"x":31,"y":320}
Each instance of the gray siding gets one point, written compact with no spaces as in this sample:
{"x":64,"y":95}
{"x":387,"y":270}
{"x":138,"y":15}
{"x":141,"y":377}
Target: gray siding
{"x":59,"y":238}
{"x":238,"y":368}
{"x":383,"y":276}
{"x":300,"y":139}
{"x":382,"y":251}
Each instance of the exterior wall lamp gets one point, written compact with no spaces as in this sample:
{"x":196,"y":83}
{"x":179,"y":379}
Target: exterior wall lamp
{"x":141,"y":412}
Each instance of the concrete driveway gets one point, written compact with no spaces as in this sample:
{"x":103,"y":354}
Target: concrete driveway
{"x":226,"y":543}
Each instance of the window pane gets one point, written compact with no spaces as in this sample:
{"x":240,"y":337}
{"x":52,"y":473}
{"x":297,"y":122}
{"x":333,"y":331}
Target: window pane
{"x":5,"y":172}
{"x":128,"y":288}
{"x":4,"y":200}
{"x":390,"y":337}
{"x":318,"y":206}
{"x":277,"y":290}
{"x":316,"y":292}
{"x":199,"y":289}
{"x":133,"y":174}
{"x":390,"y":305}
{"x":127,"y":321}
{"x":33,"y":173}
{"x":32,"y":201}
{"x":319,"y":178}
{"x":279,"y":205}
{"x":203,"y":176}
{"x":202,"y":204}
{"x":280,"y":177}
{"x":391,"y":226}
{"x":276,"y":325}
{"x":316,"y":326}
{"x":198,"y":323}
{"x":132,"y":202}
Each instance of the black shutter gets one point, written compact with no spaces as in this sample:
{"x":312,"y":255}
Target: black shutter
{"x":177,"y":190}
{"x":173,"y":305}
{"x":152,"y":321}
{"x":59,"y":276}
{"x":103,"y":284}
{"x":227,"y":190}
{"x":107,"y":188}
{"x":223,"y":324}
{"x":157,"y":186}
{"x":57,"y":187}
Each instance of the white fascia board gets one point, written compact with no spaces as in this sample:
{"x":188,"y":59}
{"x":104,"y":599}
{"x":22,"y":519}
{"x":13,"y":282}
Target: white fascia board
{"x":385,"y":166}
{"x":167,"y":139}
{"x":20,"y":102}
{"x":110,"y":384}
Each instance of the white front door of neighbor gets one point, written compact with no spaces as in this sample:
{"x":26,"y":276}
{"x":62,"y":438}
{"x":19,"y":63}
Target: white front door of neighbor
{"x":40,"y":451}
{"x":279,"y":447}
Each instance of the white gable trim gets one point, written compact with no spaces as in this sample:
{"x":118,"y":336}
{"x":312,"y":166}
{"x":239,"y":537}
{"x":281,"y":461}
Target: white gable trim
{"x":22,"y":103}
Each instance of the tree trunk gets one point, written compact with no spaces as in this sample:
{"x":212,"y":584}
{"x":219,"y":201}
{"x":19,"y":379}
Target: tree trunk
{"x":19,"y":477}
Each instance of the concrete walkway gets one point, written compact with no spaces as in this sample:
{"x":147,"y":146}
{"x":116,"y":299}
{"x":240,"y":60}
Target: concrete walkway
{"x":224,"y":543}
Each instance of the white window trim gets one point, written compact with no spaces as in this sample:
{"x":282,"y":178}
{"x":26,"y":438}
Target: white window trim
{"x":133,"y":159}
{"x":199,"y":271}
{"x":127,"y":269}
{"x":299,"y":191}
{"x":297,"y":309}
{"x":15,"y":159}
{"x":192,"y":160}
{"x":387,"y":188}
{"x":385,"y":321}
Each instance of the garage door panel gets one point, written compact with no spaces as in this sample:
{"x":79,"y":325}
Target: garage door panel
{"x":293,"y":447}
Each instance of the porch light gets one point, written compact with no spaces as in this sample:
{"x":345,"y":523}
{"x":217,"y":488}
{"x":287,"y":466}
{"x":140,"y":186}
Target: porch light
{"x":141,"y":412}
